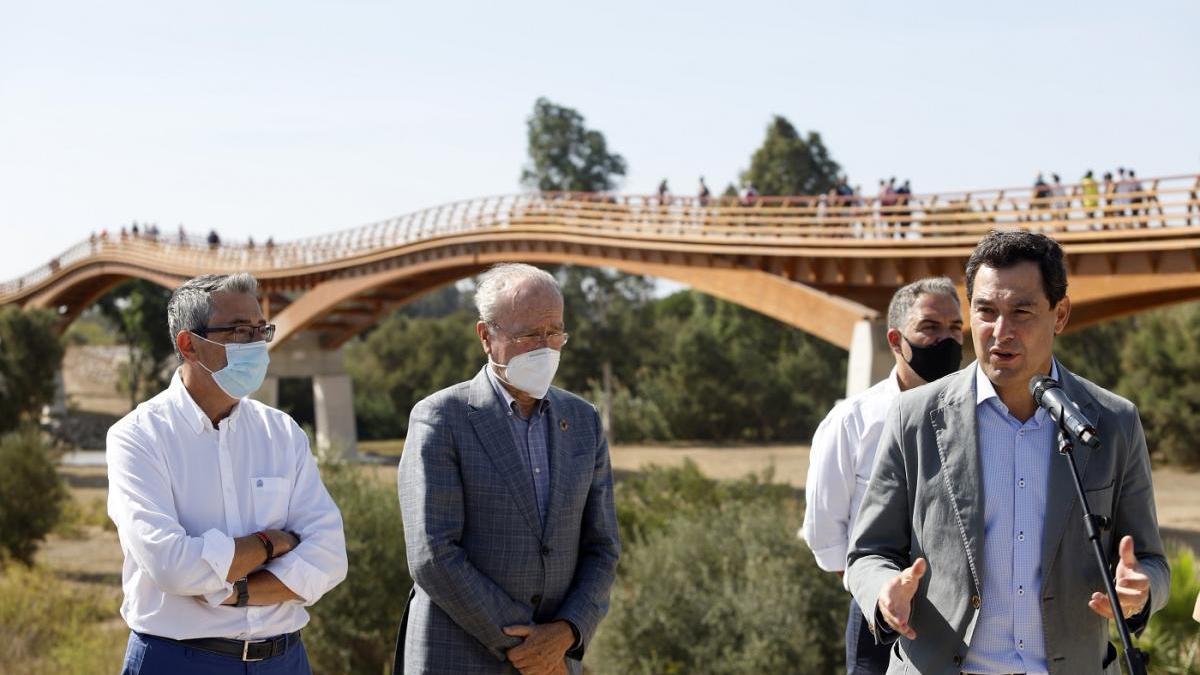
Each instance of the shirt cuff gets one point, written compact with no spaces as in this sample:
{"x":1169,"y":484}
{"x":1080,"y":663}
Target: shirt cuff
{"x":301,"y":578}
{"x":831,"y":558}
{"x":577,"y":635}
{"x":882,"y":626}
{"x":218,"y":553}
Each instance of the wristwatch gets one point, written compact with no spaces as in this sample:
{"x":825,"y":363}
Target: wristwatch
{"x":243,"y":592}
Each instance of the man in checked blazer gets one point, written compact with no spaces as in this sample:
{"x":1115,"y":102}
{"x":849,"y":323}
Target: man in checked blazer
{"x":506,"y":495}
{"x":969,"y":551}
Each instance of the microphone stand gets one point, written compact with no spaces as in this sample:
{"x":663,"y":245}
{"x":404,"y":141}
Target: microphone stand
{"x":1135,"y":659}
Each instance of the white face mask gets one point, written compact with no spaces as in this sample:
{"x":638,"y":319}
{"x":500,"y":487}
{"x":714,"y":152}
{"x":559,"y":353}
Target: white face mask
{"x":245,"y":367}
{"x":531,"y":372}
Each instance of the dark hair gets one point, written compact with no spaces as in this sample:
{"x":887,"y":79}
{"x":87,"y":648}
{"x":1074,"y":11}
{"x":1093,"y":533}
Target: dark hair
{"x":1001,"y":249}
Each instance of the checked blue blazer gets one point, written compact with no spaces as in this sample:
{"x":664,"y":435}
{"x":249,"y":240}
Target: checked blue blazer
{"x":478,"y":555}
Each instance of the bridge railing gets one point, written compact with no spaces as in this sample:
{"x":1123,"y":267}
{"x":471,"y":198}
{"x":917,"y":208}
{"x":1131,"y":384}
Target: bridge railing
{"x":1160,"y":207}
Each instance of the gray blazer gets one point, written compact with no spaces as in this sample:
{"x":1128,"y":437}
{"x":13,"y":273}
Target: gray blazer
{"x":479,"y":557}
{"x":925,"y":499}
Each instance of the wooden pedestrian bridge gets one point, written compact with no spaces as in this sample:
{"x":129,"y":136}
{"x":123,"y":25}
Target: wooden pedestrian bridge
{"x":827,"y":265}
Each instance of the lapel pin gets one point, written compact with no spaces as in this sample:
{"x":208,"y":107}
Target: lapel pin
{"x":562,"y":424}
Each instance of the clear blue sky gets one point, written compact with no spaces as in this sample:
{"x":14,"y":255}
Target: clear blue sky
{"x":296,"y":118}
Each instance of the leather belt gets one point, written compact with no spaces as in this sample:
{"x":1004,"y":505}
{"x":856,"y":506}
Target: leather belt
{"x":244,"y":650}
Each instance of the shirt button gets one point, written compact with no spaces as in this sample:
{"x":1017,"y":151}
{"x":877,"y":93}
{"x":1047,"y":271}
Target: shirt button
{"x":1021,"y":536}
{"x":537,"y":470}
{"x":1020,"y":590}
{"x":1020,"y":644}
{"x":1021,"y":483}
{"x":976,"y":601}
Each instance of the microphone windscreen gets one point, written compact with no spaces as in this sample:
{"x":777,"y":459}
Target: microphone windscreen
{"x":1038,"y":384}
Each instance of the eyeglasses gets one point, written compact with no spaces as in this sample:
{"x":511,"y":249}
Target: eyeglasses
{"x":242,"y":332}
{"x":555,"y":339}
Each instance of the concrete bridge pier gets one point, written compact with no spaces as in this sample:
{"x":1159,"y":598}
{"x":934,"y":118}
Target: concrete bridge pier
{"x":333,"y":393}
{"x":870,"y":358}
{"x":269,"y":391}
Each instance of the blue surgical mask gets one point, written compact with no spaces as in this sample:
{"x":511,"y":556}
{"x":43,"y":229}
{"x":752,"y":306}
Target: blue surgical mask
{"x":245,"y":367}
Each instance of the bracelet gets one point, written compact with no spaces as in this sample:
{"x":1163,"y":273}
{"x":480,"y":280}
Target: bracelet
{"x":266,"y":541}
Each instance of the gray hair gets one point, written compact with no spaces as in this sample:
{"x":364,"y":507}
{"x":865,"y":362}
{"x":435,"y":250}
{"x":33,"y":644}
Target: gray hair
{"x":496,"y":285}
{"x":904,"y":299}
{"x":191,"y":305}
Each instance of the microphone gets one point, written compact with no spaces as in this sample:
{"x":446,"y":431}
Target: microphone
{"x":1049,"y":394}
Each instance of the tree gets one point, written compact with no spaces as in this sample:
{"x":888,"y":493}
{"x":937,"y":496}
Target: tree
{"x":139,"y":310}
{"x":404,"y":360}
{"x":1161,"y":365}
{"x":564,"y":155}
{"x":609,"y":315}
{"x":31,"y":494}
{"x":787,"y":164}
{"x":724,"y":372}
{"x":1094,"y":352}
{"x":30,"y":358}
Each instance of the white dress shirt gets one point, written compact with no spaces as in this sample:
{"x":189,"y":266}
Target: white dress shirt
{"x":839,"y":468}
{"x":180,"y":491}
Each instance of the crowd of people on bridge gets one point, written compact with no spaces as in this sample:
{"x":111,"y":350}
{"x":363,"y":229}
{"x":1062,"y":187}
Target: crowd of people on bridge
{"x":150,"y":232}
{"x":1114,"y":203}
{"x":1117,"y":201}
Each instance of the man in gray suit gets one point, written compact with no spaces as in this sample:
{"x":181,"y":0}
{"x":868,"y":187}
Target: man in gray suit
{"x":506,"y":495}
{"x":969,"y":549}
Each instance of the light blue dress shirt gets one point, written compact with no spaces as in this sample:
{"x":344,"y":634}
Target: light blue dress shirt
{"x":1015,"y":459}
{"x":532,"y":436}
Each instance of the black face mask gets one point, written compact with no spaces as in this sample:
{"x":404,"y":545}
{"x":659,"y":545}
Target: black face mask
{"x":936,"y":361}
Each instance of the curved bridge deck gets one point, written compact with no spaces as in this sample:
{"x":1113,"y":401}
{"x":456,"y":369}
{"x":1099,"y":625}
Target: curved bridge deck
{"x":820,"y":263}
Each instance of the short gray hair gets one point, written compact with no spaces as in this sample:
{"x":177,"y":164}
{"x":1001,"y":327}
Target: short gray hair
{"x":495,"y":286}
{"x":191,"y":305}
{"x":904,"y":299}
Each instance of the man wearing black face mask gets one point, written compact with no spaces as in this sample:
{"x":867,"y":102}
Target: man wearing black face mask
{"x":925,"y":333}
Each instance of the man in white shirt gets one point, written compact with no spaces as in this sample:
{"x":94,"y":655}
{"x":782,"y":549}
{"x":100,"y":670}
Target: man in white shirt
{"x":227,"y":531}
{"x":925,"y":333}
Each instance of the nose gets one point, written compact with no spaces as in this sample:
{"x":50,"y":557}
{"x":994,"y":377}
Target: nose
{"x":1002,"y":330}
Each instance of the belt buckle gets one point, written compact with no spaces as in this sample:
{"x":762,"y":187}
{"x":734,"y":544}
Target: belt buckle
{"x":246,"y":650}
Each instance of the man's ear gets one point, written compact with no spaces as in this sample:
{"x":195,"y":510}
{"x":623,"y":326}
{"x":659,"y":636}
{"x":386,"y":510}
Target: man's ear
{"x":481,"y":329}
{"x":893,"y":340}
{"x":183,"y":342}
{"x":1062,"y":314}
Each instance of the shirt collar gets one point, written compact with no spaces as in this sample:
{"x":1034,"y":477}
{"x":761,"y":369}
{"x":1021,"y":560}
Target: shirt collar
{"x":186,"y":406}
{"x":508,"y":398}
{"x":893,"y":381}
{"x":984,"y":389}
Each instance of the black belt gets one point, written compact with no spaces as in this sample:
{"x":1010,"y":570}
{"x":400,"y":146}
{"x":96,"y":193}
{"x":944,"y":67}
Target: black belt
{"x":245,"y":650}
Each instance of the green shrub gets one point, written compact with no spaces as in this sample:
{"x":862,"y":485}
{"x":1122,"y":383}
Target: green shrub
{"x":634,"y":418}
{"x":78,"y":517}
{"x":723,"y":590}
{"x":648,"y":501}
{"x":31,"y":494}
{"x":54,"y":627}
{"x":1172,"y":638}
{"x":353,"y":628}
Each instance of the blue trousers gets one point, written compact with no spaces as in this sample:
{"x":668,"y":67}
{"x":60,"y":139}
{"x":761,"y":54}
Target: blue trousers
{"x":863,"y":656}
{"x":150,"y":655}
